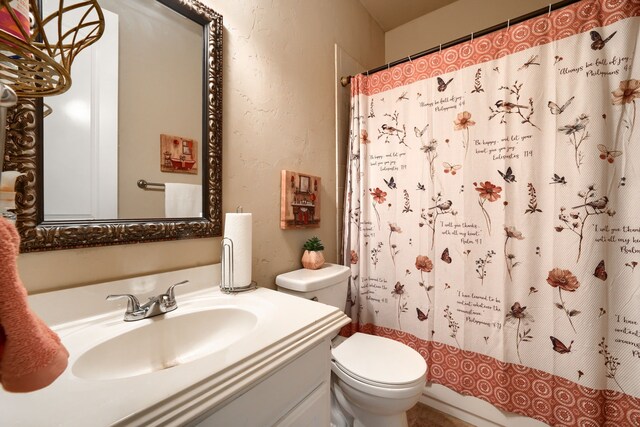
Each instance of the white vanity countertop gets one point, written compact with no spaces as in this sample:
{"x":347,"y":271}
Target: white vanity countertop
{"x":287,"y":326}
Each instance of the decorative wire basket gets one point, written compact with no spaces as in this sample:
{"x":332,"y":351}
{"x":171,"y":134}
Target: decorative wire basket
{"x":37,"y":63}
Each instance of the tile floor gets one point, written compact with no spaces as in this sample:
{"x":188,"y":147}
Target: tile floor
{"x":425,"y":416}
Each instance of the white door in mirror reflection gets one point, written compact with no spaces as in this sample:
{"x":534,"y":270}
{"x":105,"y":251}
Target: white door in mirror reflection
{"x":81,"y":146}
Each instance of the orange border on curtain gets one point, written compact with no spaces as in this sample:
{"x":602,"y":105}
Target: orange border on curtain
{"x":566,"y":22}
{"x":515,"y":388}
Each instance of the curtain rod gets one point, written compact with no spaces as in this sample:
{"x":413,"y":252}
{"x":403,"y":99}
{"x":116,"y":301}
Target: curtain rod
{"x":347,"y":79}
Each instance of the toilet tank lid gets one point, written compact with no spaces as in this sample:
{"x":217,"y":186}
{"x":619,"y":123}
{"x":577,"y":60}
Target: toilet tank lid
{"x":305,"y":280}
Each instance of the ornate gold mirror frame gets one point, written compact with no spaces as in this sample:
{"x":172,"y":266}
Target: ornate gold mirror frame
{"x":24,"y":153}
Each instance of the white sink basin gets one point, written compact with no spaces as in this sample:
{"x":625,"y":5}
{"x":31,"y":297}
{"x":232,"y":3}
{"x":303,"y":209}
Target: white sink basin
{"x":163,"y":342}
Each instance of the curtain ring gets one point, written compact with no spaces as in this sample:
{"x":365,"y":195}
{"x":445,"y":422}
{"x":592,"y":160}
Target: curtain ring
{"x":508,"y":24}
{"x":440,"y":48}
{"x":549,"y":14}
{"x":471,"y":37}
{"x":410,"y":59}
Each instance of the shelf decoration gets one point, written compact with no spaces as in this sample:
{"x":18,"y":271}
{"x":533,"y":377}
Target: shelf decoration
{"x":36,"y":61}
{"x":299,"y":200}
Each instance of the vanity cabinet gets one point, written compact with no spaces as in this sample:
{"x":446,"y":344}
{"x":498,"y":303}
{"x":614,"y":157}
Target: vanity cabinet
{"x":259,"y":358}
{"x":297,"y":394}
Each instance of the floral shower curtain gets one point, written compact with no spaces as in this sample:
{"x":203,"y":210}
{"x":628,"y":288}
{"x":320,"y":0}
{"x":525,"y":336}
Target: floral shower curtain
{"x":492,"y":219}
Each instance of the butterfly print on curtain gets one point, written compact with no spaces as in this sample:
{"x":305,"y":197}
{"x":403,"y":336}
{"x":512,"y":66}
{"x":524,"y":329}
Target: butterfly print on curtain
{"x":559,"y":346}
{"x":598,"y":42}
{"x":555,"y":109}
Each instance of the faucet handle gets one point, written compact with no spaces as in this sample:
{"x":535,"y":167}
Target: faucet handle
{"x":133,"y":305}
{"x":170,"y":294}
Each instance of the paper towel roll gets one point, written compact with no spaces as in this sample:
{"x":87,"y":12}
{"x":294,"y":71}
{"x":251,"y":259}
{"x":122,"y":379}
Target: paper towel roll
{"x":237,"y":227}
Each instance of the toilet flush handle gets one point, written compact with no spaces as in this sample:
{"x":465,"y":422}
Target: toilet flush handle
{"x":314,"y":299}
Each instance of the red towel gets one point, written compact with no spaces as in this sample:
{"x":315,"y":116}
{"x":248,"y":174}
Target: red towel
{"x":31,"y":354}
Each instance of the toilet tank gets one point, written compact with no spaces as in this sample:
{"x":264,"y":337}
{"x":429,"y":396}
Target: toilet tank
{"x":327,"y":285}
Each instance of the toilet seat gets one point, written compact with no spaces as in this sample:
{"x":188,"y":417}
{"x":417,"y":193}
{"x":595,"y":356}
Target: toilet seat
{"x":379,"y":390}
{"x":376,"y":383}
{"x":385,"y":367}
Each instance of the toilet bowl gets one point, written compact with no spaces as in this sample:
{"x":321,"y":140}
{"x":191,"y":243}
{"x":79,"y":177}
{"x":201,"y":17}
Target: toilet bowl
{"x":375,"y":380}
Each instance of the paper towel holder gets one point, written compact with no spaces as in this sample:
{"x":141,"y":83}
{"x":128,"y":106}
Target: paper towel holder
{"x":226,"y":283}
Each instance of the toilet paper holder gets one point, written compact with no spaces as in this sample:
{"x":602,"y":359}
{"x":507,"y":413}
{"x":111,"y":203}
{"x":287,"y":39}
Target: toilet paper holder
{"x":227,"y":283}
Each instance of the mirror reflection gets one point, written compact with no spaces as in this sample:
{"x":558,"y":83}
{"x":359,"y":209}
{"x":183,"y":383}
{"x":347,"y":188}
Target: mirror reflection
{"x":134,"y":112}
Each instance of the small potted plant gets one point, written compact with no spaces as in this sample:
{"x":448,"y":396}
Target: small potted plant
{"x":312,"y":257}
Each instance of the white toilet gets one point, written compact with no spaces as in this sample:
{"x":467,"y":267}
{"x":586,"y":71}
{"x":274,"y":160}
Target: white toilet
{"x":375,"y":380}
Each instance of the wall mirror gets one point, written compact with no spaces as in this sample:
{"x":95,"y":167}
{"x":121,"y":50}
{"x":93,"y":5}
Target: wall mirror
{"x":145,"y":104}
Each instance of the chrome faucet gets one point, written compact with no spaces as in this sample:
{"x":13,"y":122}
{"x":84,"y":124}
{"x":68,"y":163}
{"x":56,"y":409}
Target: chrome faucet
{"x":156,"y":305}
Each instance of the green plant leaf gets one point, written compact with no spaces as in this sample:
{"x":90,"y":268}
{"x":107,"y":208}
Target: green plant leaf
{"x":313,"y":244}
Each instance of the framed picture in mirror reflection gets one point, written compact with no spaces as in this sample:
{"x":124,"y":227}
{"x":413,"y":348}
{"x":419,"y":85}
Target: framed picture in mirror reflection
{"x":178,"y":154}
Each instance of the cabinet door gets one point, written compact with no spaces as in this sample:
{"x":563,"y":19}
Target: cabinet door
{"x":313,"y":411}
{"x":281,"y":394}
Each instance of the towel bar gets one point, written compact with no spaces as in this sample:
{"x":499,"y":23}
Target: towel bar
{"x":144,"y":184}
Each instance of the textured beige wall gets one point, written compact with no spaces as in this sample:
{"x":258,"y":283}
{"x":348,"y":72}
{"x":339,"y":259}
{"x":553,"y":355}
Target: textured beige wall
{"x":451,"y":22}
{"x":278,"y":114}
